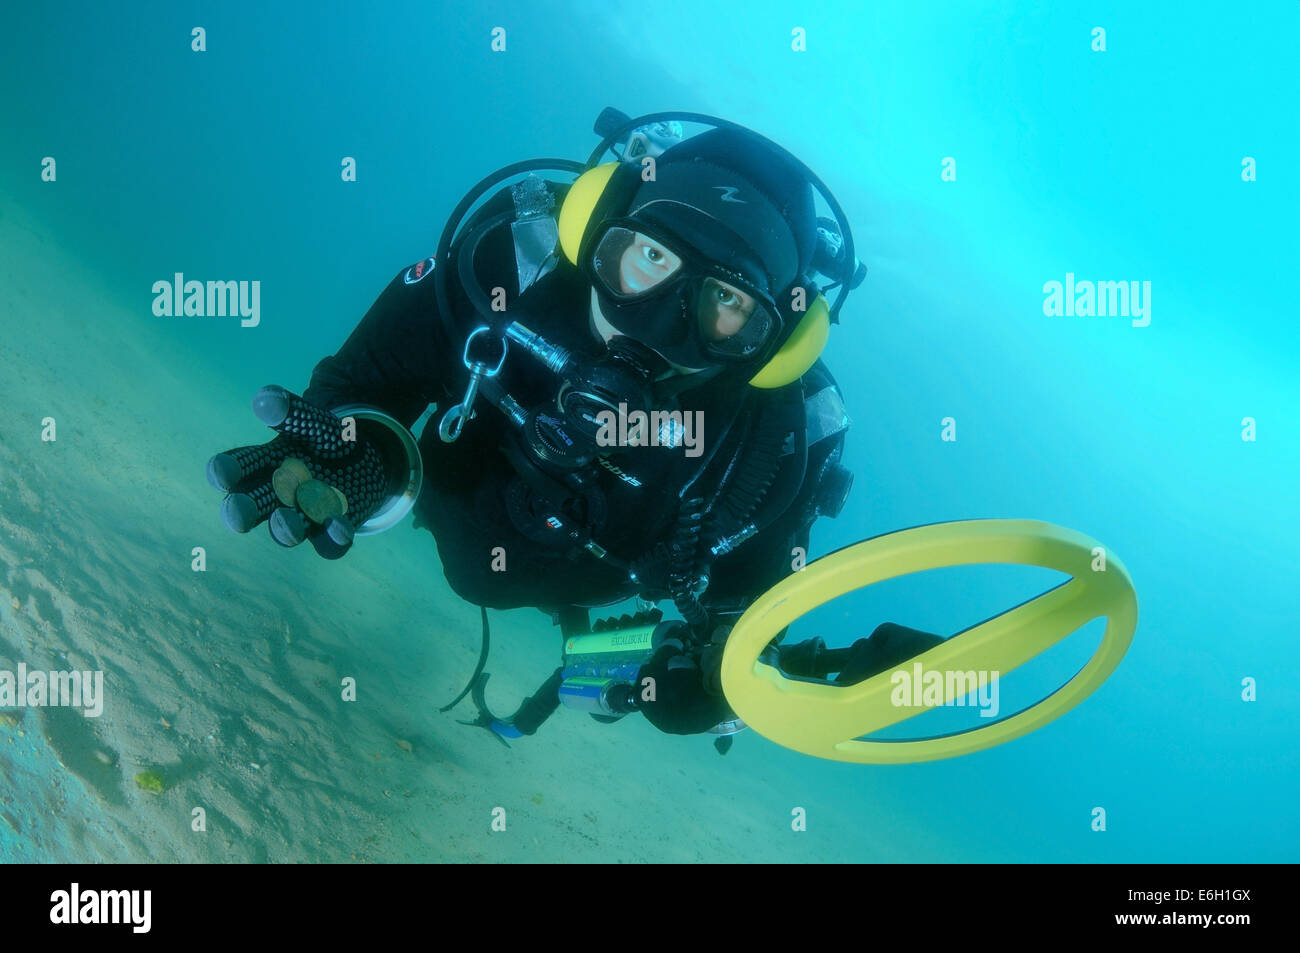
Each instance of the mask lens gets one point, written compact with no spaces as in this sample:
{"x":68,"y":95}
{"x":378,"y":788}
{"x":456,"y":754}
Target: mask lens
{"x":630,"y":264}
{"x":734,"y":323}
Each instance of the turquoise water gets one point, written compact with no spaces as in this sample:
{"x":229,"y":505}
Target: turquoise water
{"x":1116,"y":165}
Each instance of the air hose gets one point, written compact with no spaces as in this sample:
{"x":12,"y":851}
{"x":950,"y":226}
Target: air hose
{"x":743,"y":488}
{"x":749,"y":475}
{"x":682,"y":562}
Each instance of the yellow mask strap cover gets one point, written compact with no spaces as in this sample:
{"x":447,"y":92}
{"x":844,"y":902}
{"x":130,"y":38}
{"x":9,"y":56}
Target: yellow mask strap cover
{"x":800,"y":350}
{"x":579,"y":204}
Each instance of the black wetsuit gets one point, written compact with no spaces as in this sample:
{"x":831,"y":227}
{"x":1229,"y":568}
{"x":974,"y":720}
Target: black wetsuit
{"x":401,"y":358}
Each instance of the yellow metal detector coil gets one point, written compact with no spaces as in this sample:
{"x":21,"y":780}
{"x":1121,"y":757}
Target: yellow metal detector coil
{"x":825,"y":720}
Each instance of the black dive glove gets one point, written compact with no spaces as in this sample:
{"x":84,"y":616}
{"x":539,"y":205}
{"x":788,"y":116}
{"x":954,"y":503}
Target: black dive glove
{"x":888,"y":646}
{"x":309,"y":482}
{"x":688,"y":695}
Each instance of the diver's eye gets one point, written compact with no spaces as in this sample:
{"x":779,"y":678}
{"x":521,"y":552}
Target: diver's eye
{"x":654,"y":255}
{"x":726,"y":297}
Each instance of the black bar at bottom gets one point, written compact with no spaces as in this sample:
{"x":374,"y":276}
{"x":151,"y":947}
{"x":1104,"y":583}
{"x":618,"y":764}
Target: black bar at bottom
{"x":928,"y":903}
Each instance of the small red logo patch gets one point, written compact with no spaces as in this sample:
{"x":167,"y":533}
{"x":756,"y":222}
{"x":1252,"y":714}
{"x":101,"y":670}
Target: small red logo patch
{"x":418,"y":271}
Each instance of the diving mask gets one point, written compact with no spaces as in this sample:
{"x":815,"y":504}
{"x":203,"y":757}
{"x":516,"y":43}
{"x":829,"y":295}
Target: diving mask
{"x":694,"y":312}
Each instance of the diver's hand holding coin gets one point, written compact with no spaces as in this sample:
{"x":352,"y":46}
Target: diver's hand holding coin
{"x":316,"y":480}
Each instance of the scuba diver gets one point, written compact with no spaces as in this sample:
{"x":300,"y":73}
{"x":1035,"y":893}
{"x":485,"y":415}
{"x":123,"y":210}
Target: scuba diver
{"x":630,"y":404}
